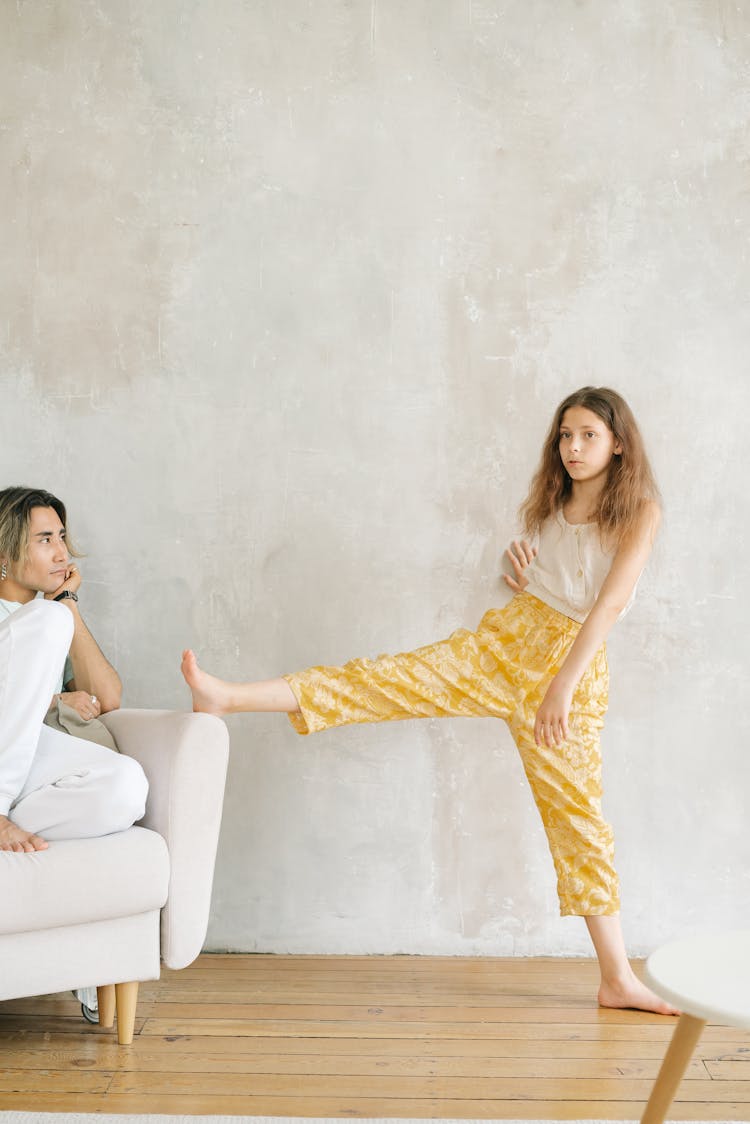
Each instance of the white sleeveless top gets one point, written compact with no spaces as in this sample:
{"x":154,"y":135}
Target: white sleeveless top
{"x":570,"y":568}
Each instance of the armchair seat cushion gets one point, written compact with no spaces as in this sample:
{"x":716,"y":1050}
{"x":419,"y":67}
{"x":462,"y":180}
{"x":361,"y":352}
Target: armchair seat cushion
{"x":78,"y":881}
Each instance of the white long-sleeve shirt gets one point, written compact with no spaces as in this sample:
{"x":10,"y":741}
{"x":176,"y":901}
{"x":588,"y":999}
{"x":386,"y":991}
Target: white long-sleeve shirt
{"x":8,"y":607}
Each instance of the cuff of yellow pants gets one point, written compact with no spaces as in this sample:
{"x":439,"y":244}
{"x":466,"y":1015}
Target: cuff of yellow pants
{"x":304,"y":720}
{"x":584,"y":911}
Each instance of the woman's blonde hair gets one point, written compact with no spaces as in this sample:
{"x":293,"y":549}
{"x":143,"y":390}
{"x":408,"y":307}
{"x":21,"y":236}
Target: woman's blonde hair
{"x":15,"y":514}
{"x":630,"y":481}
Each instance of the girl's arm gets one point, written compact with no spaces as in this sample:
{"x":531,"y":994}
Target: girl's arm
{"x":551,"y":726}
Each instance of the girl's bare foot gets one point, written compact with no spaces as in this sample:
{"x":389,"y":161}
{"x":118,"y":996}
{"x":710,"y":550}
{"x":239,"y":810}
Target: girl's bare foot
{"x":210,"y":695}
{"x":632,"y":993}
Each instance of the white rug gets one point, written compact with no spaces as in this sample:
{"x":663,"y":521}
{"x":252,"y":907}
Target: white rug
{"x":131,"y":1118}
{"x":147,"y":1118}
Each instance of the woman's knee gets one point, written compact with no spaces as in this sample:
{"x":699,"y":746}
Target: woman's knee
{"x":52,"y":619}
{"x":127,"y":789}
{"x":133,"y":787}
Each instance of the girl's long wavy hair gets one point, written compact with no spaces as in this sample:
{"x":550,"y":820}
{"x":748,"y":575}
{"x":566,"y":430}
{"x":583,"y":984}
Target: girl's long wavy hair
{"x":630,"y":481}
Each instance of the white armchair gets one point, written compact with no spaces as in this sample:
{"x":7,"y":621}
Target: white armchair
{"x":103,"y":912}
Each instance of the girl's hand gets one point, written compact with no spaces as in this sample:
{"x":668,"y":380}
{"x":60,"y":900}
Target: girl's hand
{"x":88,"y":706}
{"x":521,"y":555}
{"x":551,"y":726}
{"x":72,"y":582}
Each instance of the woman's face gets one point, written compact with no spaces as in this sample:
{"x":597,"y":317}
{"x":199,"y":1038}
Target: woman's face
{"x":587,"y":444}
{"x":46,"y":565}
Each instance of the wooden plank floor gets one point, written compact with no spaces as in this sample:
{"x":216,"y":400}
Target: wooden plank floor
{"x":366,"y":1036}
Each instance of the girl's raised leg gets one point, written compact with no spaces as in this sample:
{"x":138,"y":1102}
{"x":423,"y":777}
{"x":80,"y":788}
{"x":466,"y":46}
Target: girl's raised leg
{"x":620,"y":987}
{"x":218,"y":696}
{"x":446,"y":678}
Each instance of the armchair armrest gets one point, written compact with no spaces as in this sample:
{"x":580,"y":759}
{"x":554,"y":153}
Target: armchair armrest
{"x":185,"y":758}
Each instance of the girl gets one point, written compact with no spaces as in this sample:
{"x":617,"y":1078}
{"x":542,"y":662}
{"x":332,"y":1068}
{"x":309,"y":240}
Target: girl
{"x":590,"y":519}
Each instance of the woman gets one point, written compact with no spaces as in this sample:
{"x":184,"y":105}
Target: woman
{"x":52,"y":785}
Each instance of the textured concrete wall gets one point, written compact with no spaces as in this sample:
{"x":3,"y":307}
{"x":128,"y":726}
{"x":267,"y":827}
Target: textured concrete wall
{"x":288,"y":294}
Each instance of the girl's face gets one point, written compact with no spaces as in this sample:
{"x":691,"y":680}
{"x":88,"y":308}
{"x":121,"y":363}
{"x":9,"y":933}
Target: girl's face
{"x":46,"y":566}
{"x":587,"y":444}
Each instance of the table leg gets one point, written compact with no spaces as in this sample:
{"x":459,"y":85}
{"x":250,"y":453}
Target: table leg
{"x":684,"y":1040}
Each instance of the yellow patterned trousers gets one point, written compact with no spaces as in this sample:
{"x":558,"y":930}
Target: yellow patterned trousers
{"x":501,"y":671}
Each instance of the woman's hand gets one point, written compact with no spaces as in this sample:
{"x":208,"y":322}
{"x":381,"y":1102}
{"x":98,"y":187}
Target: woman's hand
{"x":551,"y":726}
{"x":521,"y":555}
{"x":88,"y":706}
{"x":72,"y":582}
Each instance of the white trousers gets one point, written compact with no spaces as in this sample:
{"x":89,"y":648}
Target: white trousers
{"x":52,"y":784}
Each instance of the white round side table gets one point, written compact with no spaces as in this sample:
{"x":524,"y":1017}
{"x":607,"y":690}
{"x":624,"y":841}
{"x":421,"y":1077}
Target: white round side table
{"x":708,"y":979}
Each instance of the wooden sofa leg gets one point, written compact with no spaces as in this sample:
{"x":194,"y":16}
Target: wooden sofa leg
{"x":106,"y":1001}
{"x":126,"y":998}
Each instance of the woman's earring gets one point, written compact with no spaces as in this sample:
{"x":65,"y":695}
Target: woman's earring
{"x":4,"y":571}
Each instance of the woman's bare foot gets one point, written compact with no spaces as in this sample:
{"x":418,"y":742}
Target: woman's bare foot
{"x":14,"y":838}
{"x":632,"y":993}
{"x":210,"y":695}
